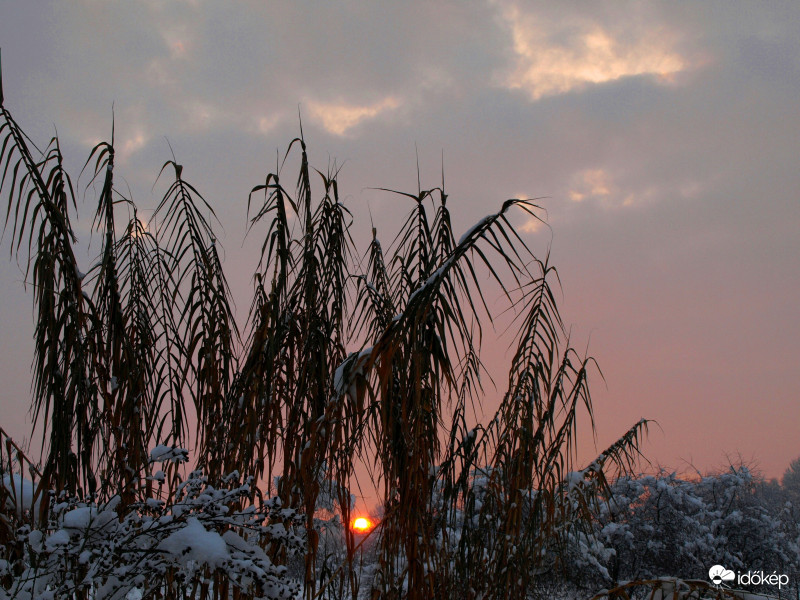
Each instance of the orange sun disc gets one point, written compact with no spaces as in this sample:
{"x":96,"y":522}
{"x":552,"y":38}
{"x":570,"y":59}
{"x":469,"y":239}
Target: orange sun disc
{"x":361,"y":525}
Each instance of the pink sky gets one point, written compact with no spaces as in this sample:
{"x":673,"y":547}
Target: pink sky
{"x":664,"y":137}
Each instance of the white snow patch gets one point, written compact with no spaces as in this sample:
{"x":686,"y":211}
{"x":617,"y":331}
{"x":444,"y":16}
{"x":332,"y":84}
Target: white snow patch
{"x":472,"y":229}
{"x":59,"y":538}
{"x":574,"y":479}
{"x":194,"y":542}
{"x":20,"y":493}
{"x":163,"y":453}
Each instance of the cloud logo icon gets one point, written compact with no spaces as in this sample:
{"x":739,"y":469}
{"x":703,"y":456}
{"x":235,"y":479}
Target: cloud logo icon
{"x":718,"y":574}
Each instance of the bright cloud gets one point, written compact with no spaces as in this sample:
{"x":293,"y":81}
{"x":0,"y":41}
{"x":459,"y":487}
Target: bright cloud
{"x":135,"y":142}
{"x":339,"y":118}
{"x":267,"y":123}
{"x":585,"y":54}
{"x":591,"y":183}
{"x":532,"y":225}
{"x":598,"y":185}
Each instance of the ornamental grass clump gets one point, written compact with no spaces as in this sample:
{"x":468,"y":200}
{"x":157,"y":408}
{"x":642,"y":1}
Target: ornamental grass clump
{"x":341,"y":360}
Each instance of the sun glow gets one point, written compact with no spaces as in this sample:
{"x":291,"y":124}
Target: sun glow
{"x":139,"y":228}
{"x":361,"y":525}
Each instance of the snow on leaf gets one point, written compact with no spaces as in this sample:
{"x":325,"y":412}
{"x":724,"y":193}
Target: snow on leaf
{"x":194,"y":542}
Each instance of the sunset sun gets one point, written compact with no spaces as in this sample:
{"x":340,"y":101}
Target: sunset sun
{"x":361,"y":525}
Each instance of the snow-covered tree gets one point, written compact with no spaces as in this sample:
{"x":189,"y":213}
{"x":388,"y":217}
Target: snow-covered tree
{"x":791,"y":485}
{"x":662,"y":525}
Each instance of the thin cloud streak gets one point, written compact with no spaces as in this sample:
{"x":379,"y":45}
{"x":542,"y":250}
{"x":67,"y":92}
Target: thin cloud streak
{"x":339,"y":118}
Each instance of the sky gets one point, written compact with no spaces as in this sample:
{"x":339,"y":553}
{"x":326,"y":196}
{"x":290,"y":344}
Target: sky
{"x":661,"y":138}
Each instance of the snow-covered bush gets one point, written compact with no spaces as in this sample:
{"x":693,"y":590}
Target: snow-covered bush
{"x":662,"y":525}
{"x":205,"y":541}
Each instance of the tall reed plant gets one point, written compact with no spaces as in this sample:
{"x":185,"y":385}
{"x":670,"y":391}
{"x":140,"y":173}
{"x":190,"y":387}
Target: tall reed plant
{"x":341,"y":359}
